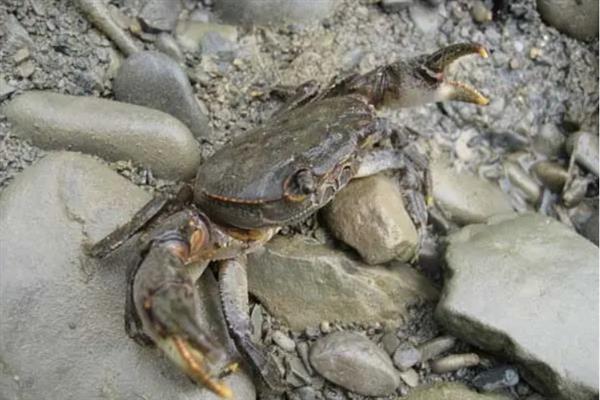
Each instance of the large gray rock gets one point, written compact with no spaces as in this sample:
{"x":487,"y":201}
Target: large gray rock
{"x":450,"y":391}
{"x":154,"y":80}
{"x":298,"y":274}
{"x":527,"y":287}
{"x":465,"y":198}
{"x":62,"y":313}
{"x":369,"y":215}
{"x":262,"y":12}
{"x":354,"y":362}
{"x":576,"y":18}
{"x":109,"y":129}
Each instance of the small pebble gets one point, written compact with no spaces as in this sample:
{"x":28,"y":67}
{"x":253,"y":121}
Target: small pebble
{"x":325,"y":327}
{"x":406,"y":356}
{"x":435,"y":347}
{"x":410,"y":377}
{"x":454,"y":362}
{"x":496,"y":378}
{"x":21,"y":55}
{"x":584,"y":147}
{"x":282,"y":340}
{"x":575,"y":192}
{"x":302,"y":349}
{"x":26,"y":69}
{"x":551,"y":174}
{"x":514,"y":63}
{"x":390,"y":342}
{"x":480,"y":12}
{"x":519,"y":177}
{"x":535,"y":53}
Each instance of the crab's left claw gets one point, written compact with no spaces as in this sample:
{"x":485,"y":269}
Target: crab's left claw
{"x":433,"y":68}
{"x":166,"y":301}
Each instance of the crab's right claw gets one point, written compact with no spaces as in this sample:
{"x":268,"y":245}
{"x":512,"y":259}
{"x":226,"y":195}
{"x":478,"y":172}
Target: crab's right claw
{"x":166,"y":301}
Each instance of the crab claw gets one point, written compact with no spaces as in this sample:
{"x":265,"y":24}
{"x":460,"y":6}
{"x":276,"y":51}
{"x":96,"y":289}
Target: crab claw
{"x":166,"y":301}
{"x":433,"y":66}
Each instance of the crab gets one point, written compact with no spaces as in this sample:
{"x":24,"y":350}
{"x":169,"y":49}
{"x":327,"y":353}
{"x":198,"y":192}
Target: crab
{"x":275,"y":175}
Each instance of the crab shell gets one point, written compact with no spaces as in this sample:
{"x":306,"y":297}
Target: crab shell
{"x":285,"y":170}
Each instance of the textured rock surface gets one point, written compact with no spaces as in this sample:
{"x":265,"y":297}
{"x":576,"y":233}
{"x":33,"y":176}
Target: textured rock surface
{"x":109,"y":129}
{"x":293,"y":274}
{"x":527,"y":287}
{"x":576,"y":18}
{"x":62,"y":313}
{"x":465,"y":198}
{"x":369,"y":215}
{"x":450,"y":391}
{"x":154,"y":80}
{"x":273,"y":11}
{"x":354,"y":362}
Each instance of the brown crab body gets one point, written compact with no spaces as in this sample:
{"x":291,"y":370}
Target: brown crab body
{"x":240,"y":189}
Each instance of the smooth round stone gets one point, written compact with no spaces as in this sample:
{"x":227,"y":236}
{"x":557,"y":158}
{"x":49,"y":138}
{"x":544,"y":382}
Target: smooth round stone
{"x":155,"y":80}
{"x":62,"y":312}
{"x":406,"y":356}
{"x":466,"y":198}
{"x":262,"y":12}
{"x":354,"y":362}
{"x":109,"y":129}
{"x":282,"y":340}
{"x":576,"y":18}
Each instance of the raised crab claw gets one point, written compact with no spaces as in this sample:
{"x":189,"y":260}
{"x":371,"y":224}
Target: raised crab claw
{"x":275,"y":175}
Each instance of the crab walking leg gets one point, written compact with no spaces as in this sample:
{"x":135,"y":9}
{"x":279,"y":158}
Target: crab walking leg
{"x":166,"y":301}
{"x":233,"y":285}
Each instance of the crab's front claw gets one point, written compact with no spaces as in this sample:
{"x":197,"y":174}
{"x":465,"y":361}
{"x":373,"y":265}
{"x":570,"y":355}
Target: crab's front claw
{"x":432,"y":69}
{"x":166,"y":302}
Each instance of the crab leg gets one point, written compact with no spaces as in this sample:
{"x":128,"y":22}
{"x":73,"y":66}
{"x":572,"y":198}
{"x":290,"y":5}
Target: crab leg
{"x":166,"y":302}
{"x":233,"y":286}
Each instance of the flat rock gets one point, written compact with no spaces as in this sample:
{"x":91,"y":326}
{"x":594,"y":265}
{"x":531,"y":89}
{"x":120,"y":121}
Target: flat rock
{"x":450,"y":391}
{"x":576,"y":18}
{"x":527,"y":287}
{"x":109,"y":129}
{"x":465,"y":198}
{"x":369,"y":215}
{"x":354,"y":362}
{"x":292,"y":274}
{"x":62,"y":313}
{"x":261,"y":12}
{"x":155,"y":80}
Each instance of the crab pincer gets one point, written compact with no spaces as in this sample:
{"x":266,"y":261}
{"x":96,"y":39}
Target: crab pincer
{"x":166,"y":302}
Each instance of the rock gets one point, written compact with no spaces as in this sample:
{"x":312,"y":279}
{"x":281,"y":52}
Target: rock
{"x":190,"y":34}
{"x":390,"y":342}
{"x":450,"y":391}
{"x":465,"y":198}
{"x":576,"y":18}
{"x":154,"y":80}
{"x":26,"y":69}
{"x":354,"y":362}
{"x":262,"y":12}
{"x":109,"y":129}
{"x":521,"y":180}
{"x":540,"y":284}
{"x":406,"y":356}
{"x":549,"y":140}
{"x":480,"y":12}
{"x":168,"y":45}
{"x":590,"y":228}
{"x":410,"y":377}
{"x":551,"y":174}
{"x":282,"y":340}
{"x":160,"y":15}
{"x":62,"y":313}
{"x":369,"y":215}
{"x":435,"y":347}
{"x":584,"y":147}
{"x":392,"y":6}
{"x":496,"y":378}
{"x":14,"y":36}
{"x":292,"y":274}
{"x":454,"y":362}
{"x":426,"y":19}
{"x":5,"y":88}
{"x":296,"y":373}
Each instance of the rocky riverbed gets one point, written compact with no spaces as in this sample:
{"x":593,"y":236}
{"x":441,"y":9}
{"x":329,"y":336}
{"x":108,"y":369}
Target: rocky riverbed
{"x":105,"y":104}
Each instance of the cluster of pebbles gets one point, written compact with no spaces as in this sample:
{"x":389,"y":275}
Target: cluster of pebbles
{"x":495,"y":299}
